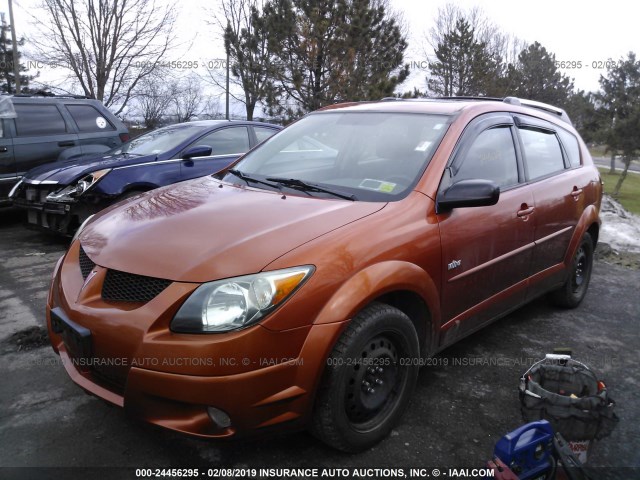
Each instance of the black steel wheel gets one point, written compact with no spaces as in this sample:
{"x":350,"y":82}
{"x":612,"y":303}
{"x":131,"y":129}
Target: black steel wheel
{"x":368,"y":379}
{"x":575,"y":288}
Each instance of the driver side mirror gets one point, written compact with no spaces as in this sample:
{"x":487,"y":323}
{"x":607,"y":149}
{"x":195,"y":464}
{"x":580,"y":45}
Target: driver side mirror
{"x":468,"y":193}
{"x":197,"y":151}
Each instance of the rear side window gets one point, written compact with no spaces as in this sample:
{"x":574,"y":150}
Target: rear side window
{"x":227,"y":141}
{"x":89,"y":119}
{"x":542,"y":152}
{"x":262,"y":133}
{"x":32,"y":120}
{"x":491,"y":156}
{"x":570,"y":143}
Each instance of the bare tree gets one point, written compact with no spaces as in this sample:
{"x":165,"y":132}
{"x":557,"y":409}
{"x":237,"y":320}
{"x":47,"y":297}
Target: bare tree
{"x":245,"y":38}
{"x":108,"y":45}
{"x":212,"y":110}
{"x":187,"y":98}
{"x":485,"y":30}
{"x":153,"y":98}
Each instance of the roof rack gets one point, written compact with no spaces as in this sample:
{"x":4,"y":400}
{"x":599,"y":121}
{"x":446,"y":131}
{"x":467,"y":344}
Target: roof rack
{"x":48,"y":95}
{"x":559,"y":112}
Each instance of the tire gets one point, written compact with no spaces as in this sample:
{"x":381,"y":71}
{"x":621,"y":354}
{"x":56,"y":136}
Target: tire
{"x":575,"y":288}
{"x":366,"y":386}
{"x":129,"y":194}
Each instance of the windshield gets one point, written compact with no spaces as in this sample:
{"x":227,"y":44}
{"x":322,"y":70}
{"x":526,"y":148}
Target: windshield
{"x":157,"y":141}
{"x":372,"y":156}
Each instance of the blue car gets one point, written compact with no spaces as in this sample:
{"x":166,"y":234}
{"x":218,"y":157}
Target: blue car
{"x":59,"y":196}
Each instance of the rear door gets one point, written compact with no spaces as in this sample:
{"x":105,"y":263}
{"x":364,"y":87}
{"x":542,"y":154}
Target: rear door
{"x":486,"y":250}
{"x":227,"y":144}
{"x":553,"y":171}
{"x":40,"y":135}
{"x":96,"y":132}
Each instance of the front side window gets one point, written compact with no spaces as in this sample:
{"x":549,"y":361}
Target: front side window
{"x":226,"y":141}
{"x":491,"y":156}
{"x":373,"y":156}
{"x":157,"y":141}
{"x":542,"y":152}
{"x":33,"y":119}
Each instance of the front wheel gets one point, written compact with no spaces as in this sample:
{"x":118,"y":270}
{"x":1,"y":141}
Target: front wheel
{"x":368,"y":379}
{"x":575,"y":288}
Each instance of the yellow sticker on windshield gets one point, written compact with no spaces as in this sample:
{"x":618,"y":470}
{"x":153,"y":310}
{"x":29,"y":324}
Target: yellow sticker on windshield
{"x":378,"y":185}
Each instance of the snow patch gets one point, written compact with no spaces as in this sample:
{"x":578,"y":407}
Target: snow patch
{"x":620,"y":228}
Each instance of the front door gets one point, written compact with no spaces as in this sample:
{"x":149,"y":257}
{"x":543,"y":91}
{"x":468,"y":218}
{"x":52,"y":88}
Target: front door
{"x":486,"y":251}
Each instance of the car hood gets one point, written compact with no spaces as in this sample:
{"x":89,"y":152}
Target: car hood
{"x":204,"y":229}
{"x":68,"y":171}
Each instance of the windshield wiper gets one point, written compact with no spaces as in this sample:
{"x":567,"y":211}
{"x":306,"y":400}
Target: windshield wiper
{"x":249,"y":178}
{"x":310,"y":187}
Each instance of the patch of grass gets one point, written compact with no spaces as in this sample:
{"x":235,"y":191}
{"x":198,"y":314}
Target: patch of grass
{"x":629,"y":193}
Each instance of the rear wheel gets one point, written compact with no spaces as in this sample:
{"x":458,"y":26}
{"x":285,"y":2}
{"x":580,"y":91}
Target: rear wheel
{"x":368,"y":380}
{"x":575,"y":288}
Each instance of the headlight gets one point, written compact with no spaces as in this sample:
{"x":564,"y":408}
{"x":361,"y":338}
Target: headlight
{"x":71,"y":192}
{"x":238,"y":302}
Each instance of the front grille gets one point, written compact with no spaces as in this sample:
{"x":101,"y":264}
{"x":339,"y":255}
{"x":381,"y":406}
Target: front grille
{"x":86,"y":265}
{"x":127,"y":287}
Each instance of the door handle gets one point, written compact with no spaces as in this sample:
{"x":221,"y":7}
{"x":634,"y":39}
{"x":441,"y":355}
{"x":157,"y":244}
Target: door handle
{"x":525,"y":211}
{"x":576,"y":193}
{"x":3,"y":150}
{"x":68,"y":143}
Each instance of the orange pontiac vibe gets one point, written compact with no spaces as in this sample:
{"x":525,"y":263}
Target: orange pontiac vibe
{"x":303,"y":286}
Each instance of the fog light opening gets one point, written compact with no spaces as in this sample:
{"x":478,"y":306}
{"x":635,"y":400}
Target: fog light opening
{"x":220,"y":418}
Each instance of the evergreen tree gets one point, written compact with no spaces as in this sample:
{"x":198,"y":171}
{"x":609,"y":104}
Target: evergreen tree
{"x":464,"y":66}
{"x":7,"y":74}
{"x":620,"y":99}
{"x":586,"y":118}
{"x":536,"y":77}
{"x":329,"y":51}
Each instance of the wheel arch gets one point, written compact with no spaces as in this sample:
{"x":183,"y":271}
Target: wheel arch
{"x":402,"y":285}
{"x":589,"y":222}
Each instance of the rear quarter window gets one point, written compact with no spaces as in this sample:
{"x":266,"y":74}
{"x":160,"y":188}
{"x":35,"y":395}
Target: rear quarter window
{"x":32,"y":120}
{"x":89,"y":118}
{"x":571,"y":146}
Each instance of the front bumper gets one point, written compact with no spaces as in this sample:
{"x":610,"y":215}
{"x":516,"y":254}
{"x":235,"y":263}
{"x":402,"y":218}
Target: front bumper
{"x":260,"y":378}
{"x":52,"y":216}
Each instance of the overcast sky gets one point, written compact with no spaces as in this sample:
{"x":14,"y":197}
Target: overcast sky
{"x":573,"y":30}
